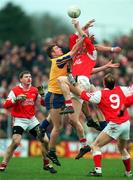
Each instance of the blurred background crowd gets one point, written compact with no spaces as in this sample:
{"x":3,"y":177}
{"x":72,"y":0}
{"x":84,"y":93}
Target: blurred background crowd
{"x":31,"y":55}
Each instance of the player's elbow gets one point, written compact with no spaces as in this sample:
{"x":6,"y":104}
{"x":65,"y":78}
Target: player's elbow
{"x":5,"y":105}
{"x":8,"y":104}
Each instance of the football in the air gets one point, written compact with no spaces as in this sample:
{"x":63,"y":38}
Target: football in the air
{"x":74,"y":11}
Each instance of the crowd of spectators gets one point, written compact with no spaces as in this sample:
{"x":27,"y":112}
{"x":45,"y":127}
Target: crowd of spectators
{"x":33,"y":57}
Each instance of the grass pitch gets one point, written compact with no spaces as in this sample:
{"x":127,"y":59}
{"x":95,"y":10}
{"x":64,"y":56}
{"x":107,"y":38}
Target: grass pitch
{"x":71,"y":169}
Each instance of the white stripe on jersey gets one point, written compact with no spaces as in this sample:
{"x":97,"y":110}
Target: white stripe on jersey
{"x":127,"y":90}
{"x":95,"y":97}
{"x":11,"y":95}
{"x":94,"y":56}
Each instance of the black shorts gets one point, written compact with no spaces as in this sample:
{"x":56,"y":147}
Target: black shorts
{"x":20,"y":130}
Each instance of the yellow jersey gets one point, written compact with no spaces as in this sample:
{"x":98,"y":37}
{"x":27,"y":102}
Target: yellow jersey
{"x":58,"y":68}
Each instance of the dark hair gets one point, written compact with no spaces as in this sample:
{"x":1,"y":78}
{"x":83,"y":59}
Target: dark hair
{"x":23,"y":73}
{"x":109,"y":81}
{"x":50,"y":50}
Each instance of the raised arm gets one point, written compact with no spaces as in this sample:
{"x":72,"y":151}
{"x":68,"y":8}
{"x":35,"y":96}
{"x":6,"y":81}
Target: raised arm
{"x":76,"y":46}
{"x":103,"y":48}
{"x":61,"y":61}
{"x":88,"y":25}
{"x":80,"y":30}
{"x":73,"y":38}
{"x":106,"y":66}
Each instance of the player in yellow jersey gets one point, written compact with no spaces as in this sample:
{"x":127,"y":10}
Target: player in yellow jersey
{"x":54,"y":99}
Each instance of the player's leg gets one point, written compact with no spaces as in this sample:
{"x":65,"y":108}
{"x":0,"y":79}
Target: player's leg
{"x":110,"y":132}
{"x":101,"y":124}
{"x":100,"y":117}
{"x":42,"y":128}
{"x":122,"y":146}
{"x":56,"y":120}
{"x":46,"y":164}
{"x":44,"y":149}
{"x":16,"y":139}
{"x":45,"y":123}
{"x":85,"y":84}
{"x":89,"y":120}
{"x":76,"y":103}
{"x":74,"y":119}
{"x":54,"y":102}
{"x":66,"y":87}
{"x":100,"y":141}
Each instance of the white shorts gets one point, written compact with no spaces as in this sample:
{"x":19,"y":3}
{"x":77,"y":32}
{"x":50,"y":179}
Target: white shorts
{"x":121,"y":131}
{"x":85,"y":84}
{"x":25,"y":123}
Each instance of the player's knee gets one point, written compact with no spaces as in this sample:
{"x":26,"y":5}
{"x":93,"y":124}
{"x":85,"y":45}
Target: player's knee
{"x":16,"y":142}
{"x":46,"y":139}
{"x":78,"y":126}
{"x":121,"y":147}
{"x":61,"y":79}
{"x":73,"y":118}
{"x":45,"y":143}
{"x":123,"y":151}
{"x":56,"y":130}
{"x":72,"y":121}
{"x":95,"y":146}
{"x":92,"y":147}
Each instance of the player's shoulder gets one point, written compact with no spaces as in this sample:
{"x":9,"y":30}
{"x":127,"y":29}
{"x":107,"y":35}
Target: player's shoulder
{"x":116,"y":88}
{"x":16,"y":88}
{"x":73,"y":36}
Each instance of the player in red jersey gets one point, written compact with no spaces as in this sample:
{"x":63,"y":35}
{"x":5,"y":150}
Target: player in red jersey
{"x":21,"y":100}
{"x":110,"y":101}
{"x":85,"y":60}
{"x":82,"y":68}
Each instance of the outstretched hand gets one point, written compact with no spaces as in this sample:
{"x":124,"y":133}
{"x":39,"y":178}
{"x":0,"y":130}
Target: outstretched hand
{"x":112,"y":65}
{"x":88,"y":24}
{"x":92,"y":37}
{"x":41,"y":90}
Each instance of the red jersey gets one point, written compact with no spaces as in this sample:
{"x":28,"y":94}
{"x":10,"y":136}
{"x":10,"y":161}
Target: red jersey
{"x":83,"y":64}
{"x":110,"y":102}
{"x":22,"y":109}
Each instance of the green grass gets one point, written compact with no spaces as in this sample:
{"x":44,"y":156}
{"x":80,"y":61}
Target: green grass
{"x":31,"y":169}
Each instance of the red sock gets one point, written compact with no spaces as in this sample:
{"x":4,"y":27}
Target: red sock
{"x":83,"y":142}
{"x":68,"y":102}
{"x":127,"y":164}
{"x":97,"y":159}
{"x":46,"y":162}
